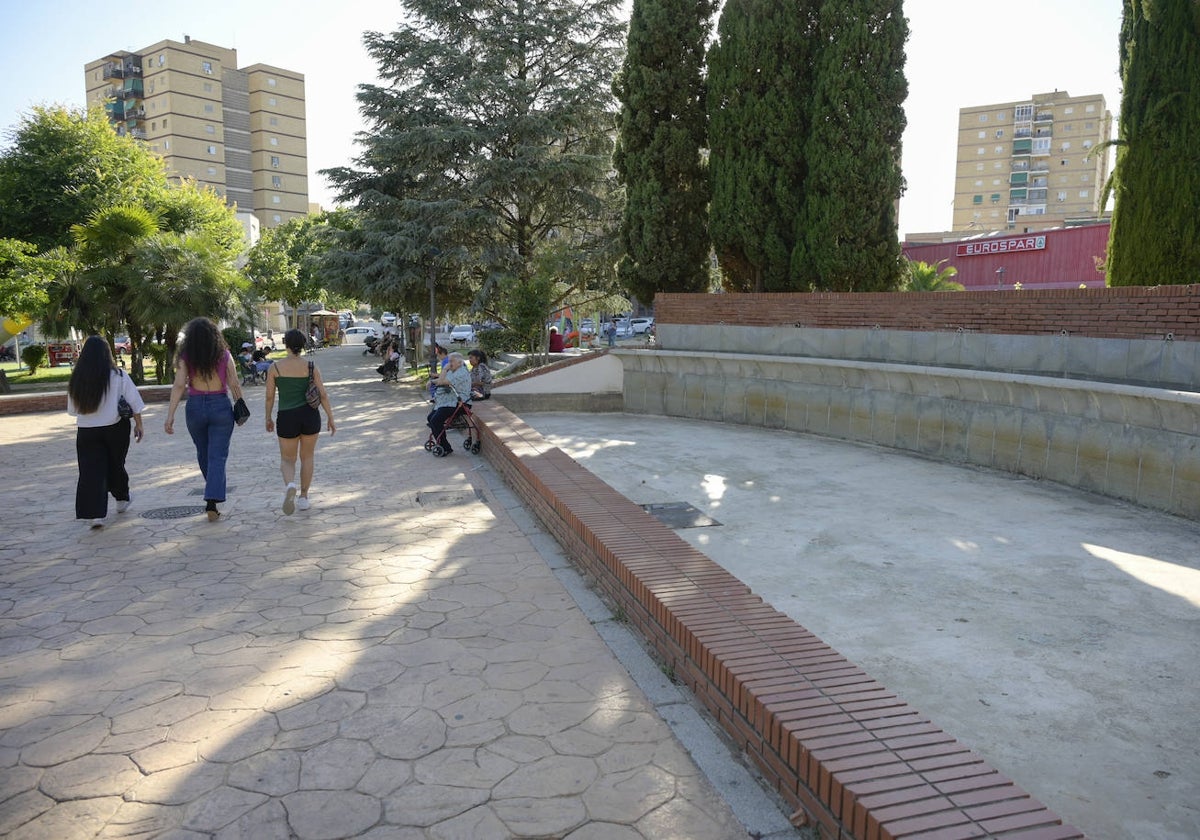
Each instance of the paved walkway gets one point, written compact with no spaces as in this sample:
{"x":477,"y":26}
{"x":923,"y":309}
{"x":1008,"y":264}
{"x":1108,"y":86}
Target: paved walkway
{"x":1056,"y":632}
{"x":400,"y":661}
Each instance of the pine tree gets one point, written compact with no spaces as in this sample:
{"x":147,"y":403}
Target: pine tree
{"x":662,"y":132}
{"x":847,"y":237}
{"x":759,"y":89}
{"x":1155,"y":234}
{"x":490,"y":139}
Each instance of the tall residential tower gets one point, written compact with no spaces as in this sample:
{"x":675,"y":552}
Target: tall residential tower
{"x":240,"y":130}
{"x":1031,"y":165}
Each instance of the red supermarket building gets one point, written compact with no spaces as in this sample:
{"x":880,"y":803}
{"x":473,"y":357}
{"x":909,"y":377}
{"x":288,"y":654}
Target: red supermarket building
{"x":1064,"y":258}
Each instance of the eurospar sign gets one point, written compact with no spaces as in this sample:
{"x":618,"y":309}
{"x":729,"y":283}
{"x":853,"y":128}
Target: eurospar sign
{"x":1012,"y":245}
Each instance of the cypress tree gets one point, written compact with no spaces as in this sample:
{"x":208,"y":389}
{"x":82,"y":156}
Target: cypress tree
{"x":662,"y":133}
{"x":846,"y":236}
{"x":759,"y":87}
{"x":1155,"y":235}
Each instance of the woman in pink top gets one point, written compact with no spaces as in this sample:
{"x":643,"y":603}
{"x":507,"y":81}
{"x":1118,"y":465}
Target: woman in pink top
{"x":208,"y":373}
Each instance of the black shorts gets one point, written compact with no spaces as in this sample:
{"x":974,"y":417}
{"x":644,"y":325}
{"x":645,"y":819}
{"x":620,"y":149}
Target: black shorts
{"x":304,"y":420}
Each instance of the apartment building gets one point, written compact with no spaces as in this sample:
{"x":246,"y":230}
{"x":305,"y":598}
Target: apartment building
{"x":1031,"y":165}
{"x":240,"y":130}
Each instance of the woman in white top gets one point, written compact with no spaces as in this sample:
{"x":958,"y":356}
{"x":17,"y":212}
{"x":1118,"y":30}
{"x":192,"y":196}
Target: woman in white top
{"x":101,"y":434}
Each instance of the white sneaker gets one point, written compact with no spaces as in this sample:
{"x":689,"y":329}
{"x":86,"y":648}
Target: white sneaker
{"x":123,"y":504}
{"x":289,"y":499}
{"x":302,"y":503}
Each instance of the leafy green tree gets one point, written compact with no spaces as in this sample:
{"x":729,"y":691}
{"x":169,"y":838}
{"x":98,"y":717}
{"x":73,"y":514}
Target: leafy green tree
{"x":922,"y":277}
{"x":61,"y":167}
{"x":490,"y":138}
{"x":662,"y":135}
{"x":23,"y":277}
{"x":1155,"y":234}
{"x":759,"y":89}
{"x":846,"y":235}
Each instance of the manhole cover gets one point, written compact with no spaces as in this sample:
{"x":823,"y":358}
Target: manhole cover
{"x":177,"y":512}
{"x":433,"y":498}
{"x":679,"y":515}
{"x":200,"y":492}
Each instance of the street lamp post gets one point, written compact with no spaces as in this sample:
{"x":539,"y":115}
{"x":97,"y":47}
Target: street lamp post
{"x":433,"y":254}
{"x":1000,"y":276}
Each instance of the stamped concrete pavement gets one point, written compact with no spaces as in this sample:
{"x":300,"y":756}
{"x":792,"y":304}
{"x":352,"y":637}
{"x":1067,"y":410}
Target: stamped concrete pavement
{"x":399,"y":662}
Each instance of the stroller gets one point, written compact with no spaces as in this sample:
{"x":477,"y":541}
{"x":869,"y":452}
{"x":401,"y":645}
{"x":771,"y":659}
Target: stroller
{"x":389,"y":370}
{"x":460,"y":420}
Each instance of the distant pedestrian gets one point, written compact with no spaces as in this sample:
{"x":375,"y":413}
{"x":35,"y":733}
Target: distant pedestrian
{"x":481,"y":375}
{"x":298,"y":424}
{"x":611,"y":332}
{"x":208,"y":373}
{"x":94,"y":394}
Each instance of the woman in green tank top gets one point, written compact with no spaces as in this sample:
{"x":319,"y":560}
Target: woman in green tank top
{"x":297,"y":424}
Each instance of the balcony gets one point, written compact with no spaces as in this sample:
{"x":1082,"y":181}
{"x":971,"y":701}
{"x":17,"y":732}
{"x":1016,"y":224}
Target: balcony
{"x":1021,"y":165}
{"x":1044,"y":116}
{"x":1018,"y":178}
{"x":1022,"y":147}
{"x":1023,"y":132}
{"x":139,"y":133}
{"x":118,"y":70}
{"x":131,"y":90}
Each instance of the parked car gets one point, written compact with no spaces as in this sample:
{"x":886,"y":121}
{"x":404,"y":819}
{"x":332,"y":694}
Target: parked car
{"x":624,"y":329}
{"x":388,"y":319}
{"x":123,"y":344}
{"x":360,"y":332}
{"x":263,"y":342}
{"x":345,"y":319}
{"x":587,"y":328}
{"x":641,"y":325}
{"x":463,"y":332}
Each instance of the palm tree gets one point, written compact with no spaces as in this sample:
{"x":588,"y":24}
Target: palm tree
{"x":923,"y":277}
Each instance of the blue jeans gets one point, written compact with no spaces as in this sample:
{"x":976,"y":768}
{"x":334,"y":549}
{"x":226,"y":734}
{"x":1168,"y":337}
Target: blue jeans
{"x":210,"y":423}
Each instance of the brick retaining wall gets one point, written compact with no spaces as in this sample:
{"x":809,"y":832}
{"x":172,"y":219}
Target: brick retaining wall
{"x":1125,"y":312}
{"x":835,"y":744}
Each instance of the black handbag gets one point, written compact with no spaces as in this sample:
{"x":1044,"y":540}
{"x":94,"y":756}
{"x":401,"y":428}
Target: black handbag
{"x":124,"y":409}
{"x":240,"y":412}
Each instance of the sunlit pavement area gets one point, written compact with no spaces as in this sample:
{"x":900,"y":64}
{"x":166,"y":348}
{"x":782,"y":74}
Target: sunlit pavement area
{"x":410,"y":658}
{"x":1054,"y":631}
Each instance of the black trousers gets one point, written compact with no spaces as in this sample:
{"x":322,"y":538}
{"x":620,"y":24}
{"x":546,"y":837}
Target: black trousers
{"x":101,"y":453}
{"x":437,"y":422}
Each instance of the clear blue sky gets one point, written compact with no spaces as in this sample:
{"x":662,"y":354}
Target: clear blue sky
{"x":960,"y":53}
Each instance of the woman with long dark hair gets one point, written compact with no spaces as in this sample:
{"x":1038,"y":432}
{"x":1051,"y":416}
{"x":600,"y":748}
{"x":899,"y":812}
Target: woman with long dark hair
{"x":298,"y":423}
{"x":94,"y":394}
{"x":209,"y":374}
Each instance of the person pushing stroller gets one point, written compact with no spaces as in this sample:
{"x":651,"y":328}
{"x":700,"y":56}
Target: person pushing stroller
{"x":453,"y":386}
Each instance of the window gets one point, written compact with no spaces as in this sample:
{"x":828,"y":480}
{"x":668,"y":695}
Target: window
{"x":166,"y":145}
{"x":208,"y":129}
{"x":1000,"y":117}
{"x":270,"y":83}
{"x":1068,"y":110}
{"x":272,"y":101}
{"x":1087,"y":144}
{"x":274,"y":141}
{"x":276,"y":181}
{"x":162,"y":59}
{"x":274,"y":161}
{"x":1041,"y":144}
{"x":206,"y":66}
{"x":983,"y":117}
{"x":1062,"y":162}
{"x":999,"y":150}
{"x":977,"y":199}
{"x":995,"y":182}
{"x":1085,"y":177}
{"x":1066,"y":145}
{"x":154,"y":126}
{"x":208,"y":107}
{"x":979,"y":183}
{"x":999,"y":132}
{"x":980,"y":150}
{"x":979,"y":167}
{"x":1090,"y":126}
{"x":208,"y":87}
{"x":1023,"y":112}
{"x":995,"y":198}
{"x":276,"y":218}
{"x":1062,"y":196}
{"x":164,"y":122}
{"x":212,"y":150}
{"x":997,"y":165}
{"x":1090,"y":109}
{"x":273,"y":120}
{"x":982,"y":134}
{"x":1083,"y":193}
{"x":275,"y":199}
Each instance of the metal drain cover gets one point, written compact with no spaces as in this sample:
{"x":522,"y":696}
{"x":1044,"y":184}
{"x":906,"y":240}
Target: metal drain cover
{"x":200,"y":491}
{"x":679,"y":515}
{"x":177,"y":512}
{"x":427,"y":498}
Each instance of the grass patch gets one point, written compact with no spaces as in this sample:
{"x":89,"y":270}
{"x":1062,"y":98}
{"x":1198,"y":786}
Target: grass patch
{"x":48,"y":377}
